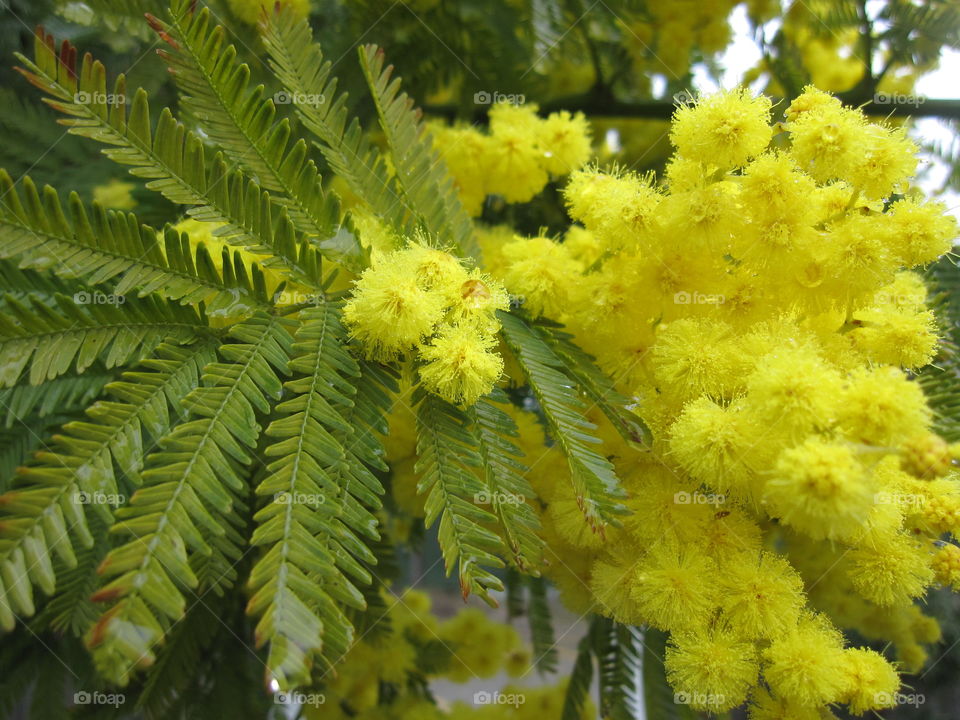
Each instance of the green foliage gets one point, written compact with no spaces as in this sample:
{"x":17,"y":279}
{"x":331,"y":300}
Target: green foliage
{"x":79,"y":330}
{"x":595,"y":484}
{"x":581,"y":676}
{"x":46,"y":515}
{"x":425,"y":185}
{"x":941,"y":379}
{"x":447,"y":455}
{"x":320,"y":497}
{"x":191,"y":481}
{"x":305,"y":75}
{"x":111,"y":244}
{"x":507,"y":488}
{"x":541,"y":627}
{"x":215,"y":91}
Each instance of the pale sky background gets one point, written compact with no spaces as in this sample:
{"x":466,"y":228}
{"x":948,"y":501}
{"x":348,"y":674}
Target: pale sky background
{"x":943,"y":83}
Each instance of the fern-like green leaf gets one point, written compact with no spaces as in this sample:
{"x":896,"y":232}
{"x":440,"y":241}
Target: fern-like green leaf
{"x":581,"y":676}
{"x":507,"y":489}
{"x":35,"y":229}
{"x":541,"y":626}
{"x":62,"y":395}
{"x":305,"y":75}
{"x":240,"y":119}
{"x":194,"y":479}
{"x":79,"y":330}
{"x":594,"y":481}
{"x":422,"y":177}
{"x":170,"y":157}
{"x":47,"y":514}
{"x":598,"y":386}
{"x":313,"y":553}
{"x":619,"y":659}
{"x":447,"y":455}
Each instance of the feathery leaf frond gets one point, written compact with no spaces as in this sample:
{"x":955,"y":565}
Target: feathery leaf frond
{"x":89,"y":326}
{"x":47,"y":513}
{"x":35,"y":229}
{"x":595,"y":483}
{"x":422,"y":176}
{"x":171,"y":157}
{"x":312,"y":552}
{"x":507,"y":487}
{"x":447,"y":454}
{"x":241,"y":120}
{"x":305,"y":75}
{"x":195,"y":476}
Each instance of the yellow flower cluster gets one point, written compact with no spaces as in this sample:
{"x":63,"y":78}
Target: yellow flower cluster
{"x":517,"y":157}
{"x":423,"y":301}
{"x":761,"y":306}
{"x":662,"y":39}
{"x":411,"y":641}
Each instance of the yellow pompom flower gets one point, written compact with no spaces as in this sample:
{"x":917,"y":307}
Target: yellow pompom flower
{"x":476,"y":302}
{"x":516,"y":159}
{"x":459,"y":365}
{"x":675,"y":588}
{"x":610,"y":583}
{"x":542,"y":272}
{"x":892,"y":570}
{"x":946,"y":566}
{"x":886,"y":159}
{"x":711,"y":442}
{"x":764,"y":706}
{"x":467,"y":154}
{"x":711,"y":670}
{"x":693,"y":356}
{"x":565,"y":140}
{"x":881,"y":406}
{"x":727,"y":127}
{"x":819,"y":488}
{"x":621,"y":209}
{"x":920,"y":232}
{"x":761,"y":597}
{"x":805,"y":665}
{"x":872,"y":682}
{"x":390,"y":312}
{"x":825,"y":136}
{"x":795,"y":389}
